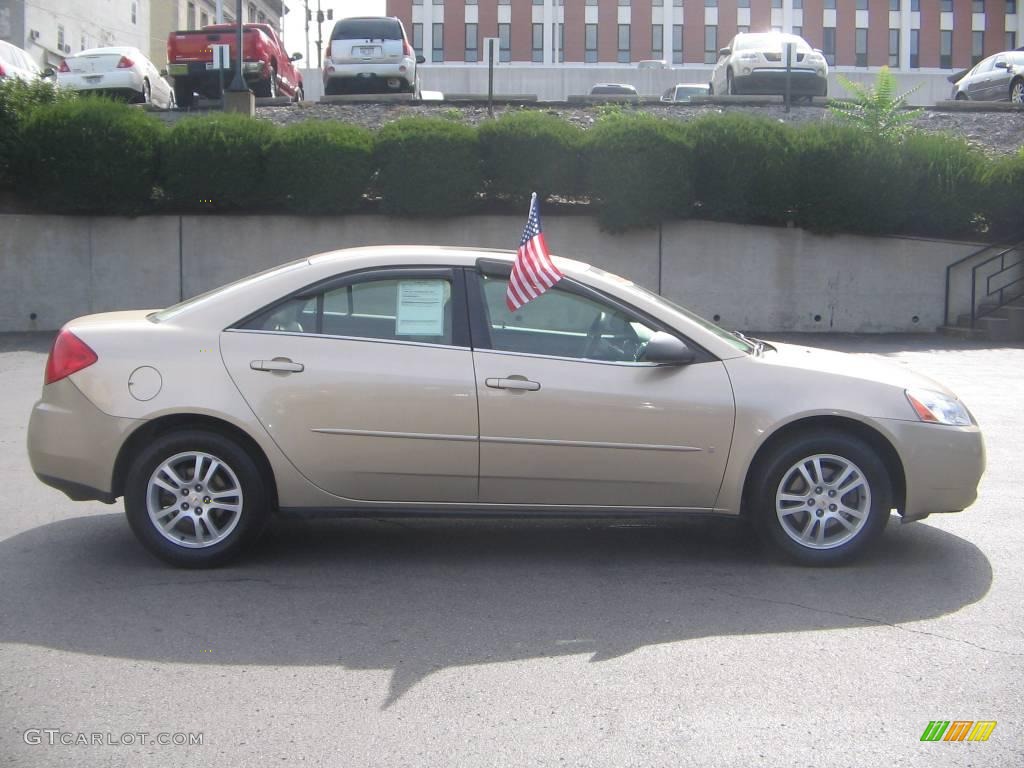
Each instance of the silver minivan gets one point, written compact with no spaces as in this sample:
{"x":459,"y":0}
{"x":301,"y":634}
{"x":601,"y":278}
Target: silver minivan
{"x":370,"y":54}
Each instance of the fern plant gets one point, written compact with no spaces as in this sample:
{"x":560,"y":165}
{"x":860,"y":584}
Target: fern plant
{"x":876,"y":109}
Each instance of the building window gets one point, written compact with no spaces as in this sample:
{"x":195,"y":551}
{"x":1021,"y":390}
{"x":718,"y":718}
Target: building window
{"x":590,"y":44}
{"x":190,"y":16}
{"x":591,"y":2}
{"x":504,"y":42}
{"x":978,"y":6}
{"x":472,"y":46}
{"x":134,"y":10}
{"x":798,"y":31}
{"x":261,"y":18}
{"x":1010,"y":42}
{"x":657,"y":41}
{"x":1011,"y":6}
{"x":538,"y":2}
{"x":861,"y":47}
{"x":251,"y":12}
{"x":470,"y":2}
{"x":204,"y":19}
{"x":946,"y":49}
{"x":714,"y":3}
{"x":915,"y":5}
{"x":504,"y":2}
{"x":743,"y":28}
{"x":710,"y":44}
{"x":798,"y":5}
{"x":894,"y":47}
{"x":776,"y":3}
{"x":437,"y":52}
{"x":946,"y":6}
{"x":657,"y":3}
{"x":84,"y":46}
{"x":677,"y":43}
{"x":915,"y":41}
{"x":625,"y":2}
{"x":828,"y":44}
{"x":862,"y":5}
{"x":623,"y":44}
{"x":977,"y":47}
{"x":830,"y":5}
{"x":894,"y":5}
{"x":60,"y":38}
{"x":417,"y":38}
{"x":538,"y":43}
{"x":743,"y":4}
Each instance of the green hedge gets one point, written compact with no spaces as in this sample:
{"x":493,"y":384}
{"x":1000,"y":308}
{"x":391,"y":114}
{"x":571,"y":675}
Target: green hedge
{"x":427,"y":167}
{"x":320,"y":167}
{"x":18,"y":100}
{"x":88,"y":156}
{"x":638,"y":170}
{"x":217,"y":163}
{"x":530,"y":151}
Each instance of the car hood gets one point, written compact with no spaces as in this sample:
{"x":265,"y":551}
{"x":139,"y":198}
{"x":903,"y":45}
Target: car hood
{"x":862,"y":367}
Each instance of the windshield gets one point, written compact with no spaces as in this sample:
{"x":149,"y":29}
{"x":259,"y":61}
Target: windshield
{"x":739,"y":343}
{"x":187,"y":304}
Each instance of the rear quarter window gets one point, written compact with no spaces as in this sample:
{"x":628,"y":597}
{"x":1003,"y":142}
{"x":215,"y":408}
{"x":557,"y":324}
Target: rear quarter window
{"x":367,"y":29}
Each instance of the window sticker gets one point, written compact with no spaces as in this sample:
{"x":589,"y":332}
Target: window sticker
{"x":420,"y":308}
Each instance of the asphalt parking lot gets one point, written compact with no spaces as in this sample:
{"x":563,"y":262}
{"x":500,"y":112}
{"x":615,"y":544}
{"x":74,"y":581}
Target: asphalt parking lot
{"x":448,"y":643}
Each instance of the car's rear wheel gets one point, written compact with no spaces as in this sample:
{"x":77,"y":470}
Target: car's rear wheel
{"x":730,"y":84}
{"x":961,"y":96}
{"x":823,"y":498}
{"x":147,"y":92}
{"x":195,"y":499}
{"x":183,"y":94}
{"x":1017,"y":91}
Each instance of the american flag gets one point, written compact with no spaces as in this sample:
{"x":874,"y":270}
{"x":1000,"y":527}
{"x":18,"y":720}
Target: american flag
{"x":533,"y":271}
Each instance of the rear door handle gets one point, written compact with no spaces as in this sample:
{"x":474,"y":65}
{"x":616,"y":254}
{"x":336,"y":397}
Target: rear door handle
{"x":513,"y":383}
{"x":282,"y":365}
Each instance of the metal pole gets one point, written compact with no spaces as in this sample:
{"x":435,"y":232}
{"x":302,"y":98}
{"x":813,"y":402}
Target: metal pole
{"x":789,"y":72}
{"x":307,"y":34}
{"x":490,"y":77}
{"x":319,"y":35}
{"x":238,"y":83}
{"x":220,"y":12}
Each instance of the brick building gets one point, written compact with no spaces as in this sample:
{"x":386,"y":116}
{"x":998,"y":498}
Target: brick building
{"x":905,"y":34}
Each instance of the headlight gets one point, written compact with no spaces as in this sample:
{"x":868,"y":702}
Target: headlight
{"x":937,"y":408}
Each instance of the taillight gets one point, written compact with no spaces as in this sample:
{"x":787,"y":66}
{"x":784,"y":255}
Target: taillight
{"x":63,"y":66}
{"x":2,"y":72}
{"x":68,"y":355}
{"x":125,"y":63}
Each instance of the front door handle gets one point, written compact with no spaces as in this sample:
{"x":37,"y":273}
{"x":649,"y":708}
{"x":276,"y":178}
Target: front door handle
{"x":278,"y":364}
{"x":513,"y":383}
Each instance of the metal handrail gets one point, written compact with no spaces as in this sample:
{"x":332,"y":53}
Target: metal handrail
{"x":1009,"y":245}
{"x":1003,"y":268}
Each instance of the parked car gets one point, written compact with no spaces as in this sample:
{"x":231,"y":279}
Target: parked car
{"x":370,"y":54}
{"x":652,"y":64}
{"x":268,"y":69}
{"x":390,"y":380}
{"x":613,"y":89}
{"x":755,"y":63}
{"x":16,"y":63}
{"x":997,"y":78}
{"x":121,"y":71}
{"x":684,"y":92}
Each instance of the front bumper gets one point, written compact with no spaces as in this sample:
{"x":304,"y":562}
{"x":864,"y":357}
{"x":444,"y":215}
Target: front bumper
{"x":766,"y":81}
{"x":72,"y":445}
{"x":942,"y":465}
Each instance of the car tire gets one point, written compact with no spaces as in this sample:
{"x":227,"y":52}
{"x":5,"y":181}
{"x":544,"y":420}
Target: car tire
{"x":711,"y":88}
{"x":267,"y":89}
{"x":822,"y":498}
{"x":730,"y":84}
{"x":147,"y":92}
{"x":1017,"y":91}
{"x":183,"y":94}
{"x":300,"y":94}
{"x":190,"y":522}
{"x":961,"y":96}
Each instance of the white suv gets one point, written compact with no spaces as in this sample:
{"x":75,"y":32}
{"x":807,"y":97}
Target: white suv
{"x":755,"y":63}
{"x":370,"y":54}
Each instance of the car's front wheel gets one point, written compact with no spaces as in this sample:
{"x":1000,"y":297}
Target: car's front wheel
{"x":1017,"y":91}
{"x":195,"y":498}
{"x":823,"y":498}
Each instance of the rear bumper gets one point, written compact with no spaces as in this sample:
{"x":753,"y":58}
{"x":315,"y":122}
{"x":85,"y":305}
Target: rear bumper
{"x":72,"y":445}
{"x":402,"y":69}
{"x":197,"y":71}
{"x":942,"y":466}
{"x":125,"y":80}
{"x":803,"y":82}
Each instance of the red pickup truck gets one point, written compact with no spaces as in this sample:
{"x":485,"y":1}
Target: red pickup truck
{"x":268,"y":69}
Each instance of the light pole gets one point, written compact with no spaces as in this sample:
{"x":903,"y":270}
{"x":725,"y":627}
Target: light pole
{"x":238,"y":83}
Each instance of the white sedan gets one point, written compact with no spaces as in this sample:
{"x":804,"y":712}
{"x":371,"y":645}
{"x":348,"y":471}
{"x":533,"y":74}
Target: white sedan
{"x":119,"y":70}
{"x":16,"y":64}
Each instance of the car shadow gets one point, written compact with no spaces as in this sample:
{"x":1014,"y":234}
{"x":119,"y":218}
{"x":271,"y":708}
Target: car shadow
{"x":414,"y":597}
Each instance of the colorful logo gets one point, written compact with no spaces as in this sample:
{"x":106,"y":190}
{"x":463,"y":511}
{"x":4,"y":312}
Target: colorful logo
{"x":958,"y":730}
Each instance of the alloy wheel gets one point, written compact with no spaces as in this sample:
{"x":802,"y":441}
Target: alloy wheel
{"x":194,"y":500}
{"x":823,"y":501}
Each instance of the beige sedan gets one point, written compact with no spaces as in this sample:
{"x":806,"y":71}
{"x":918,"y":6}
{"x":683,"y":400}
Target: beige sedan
{"x":394,"y":380}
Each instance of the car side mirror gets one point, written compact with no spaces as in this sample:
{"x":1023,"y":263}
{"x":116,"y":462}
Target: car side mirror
{"x":724,"y":51}
{"x":420,"y":59}
{"x":163,"y":72}
{"x":296,"y":56}
{"x":665,"y":349}
{"x":1002,"y":65}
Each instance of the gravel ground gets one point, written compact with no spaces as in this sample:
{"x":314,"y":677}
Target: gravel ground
{"x":995,"y":132}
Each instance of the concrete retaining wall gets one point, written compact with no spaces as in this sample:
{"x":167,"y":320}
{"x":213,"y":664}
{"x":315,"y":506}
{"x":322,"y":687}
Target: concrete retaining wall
{"x":54,"y":268}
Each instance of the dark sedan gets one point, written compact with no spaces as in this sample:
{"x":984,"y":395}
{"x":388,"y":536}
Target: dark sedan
{"x":998,"y":78}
